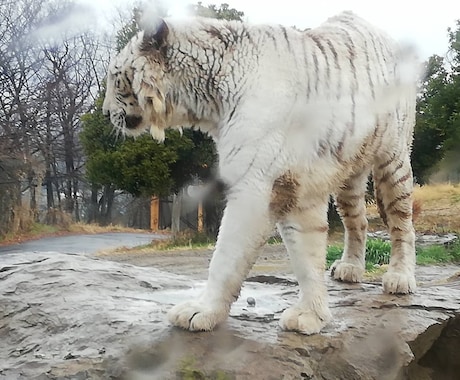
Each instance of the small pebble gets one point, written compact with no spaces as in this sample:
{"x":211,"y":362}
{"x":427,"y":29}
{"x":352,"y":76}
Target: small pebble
{"x":251,"y":301}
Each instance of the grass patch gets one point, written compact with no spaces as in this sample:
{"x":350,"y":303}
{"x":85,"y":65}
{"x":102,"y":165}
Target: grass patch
{"x":183,"y":241}
{"x":97,"y":229}
{"x":334,"y":252}
{"x":439,"y":254}
{"x":186,"y":240}
{"x":40,"y":229}
{"x":439,"y":209}
{"x":435,"y":193}
{"x":378,"y":254}
{"x":35,"y":230}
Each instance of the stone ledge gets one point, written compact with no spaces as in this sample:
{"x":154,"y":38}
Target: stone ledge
{"x":76,"y":317}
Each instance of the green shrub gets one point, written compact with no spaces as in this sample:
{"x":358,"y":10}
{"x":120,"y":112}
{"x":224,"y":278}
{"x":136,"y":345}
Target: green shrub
{"x":377,"y":252}
{"x":334,"y":252}
{"x":439,"y":254}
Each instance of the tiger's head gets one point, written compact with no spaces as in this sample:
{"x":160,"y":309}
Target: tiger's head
{"x":137,"y":98}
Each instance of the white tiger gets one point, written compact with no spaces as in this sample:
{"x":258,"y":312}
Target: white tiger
{"x":296,"y":116}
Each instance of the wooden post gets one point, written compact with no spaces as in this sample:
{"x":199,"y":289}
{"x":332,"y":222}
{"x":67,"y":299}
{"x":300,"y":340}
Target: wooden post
{"x":200,"y":216}
{"x":155,"y":214}
{"x":176,"y":212}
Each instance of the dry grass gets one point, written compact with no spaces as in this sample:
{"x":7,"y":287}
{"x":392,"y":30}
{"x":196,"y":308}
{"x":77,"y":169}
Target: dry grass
{"x":185,"y":240}
{"x":140,"y":250}
{"x":440,"y":209}
{"x":441,"y":194}
{"x":97,"y":229}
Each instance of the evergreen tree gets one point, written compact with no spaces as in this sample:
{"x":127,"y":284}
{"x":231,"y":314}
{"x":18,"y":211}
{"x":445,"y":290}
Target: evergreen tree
{"x":437,"y":130}
{"x":141,"y":166}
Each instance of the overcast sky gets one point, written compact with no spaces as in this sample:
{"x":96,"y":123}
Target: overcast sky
{"x":423,"y":23}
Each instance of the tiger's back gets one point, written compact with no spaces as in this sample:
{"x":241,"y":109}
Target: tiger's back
{"x":337,"y":91}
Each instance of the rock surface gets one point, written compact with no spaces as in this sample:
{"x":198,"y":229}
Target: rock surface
{"x":420,"y":239}
{"x":65,"y":316}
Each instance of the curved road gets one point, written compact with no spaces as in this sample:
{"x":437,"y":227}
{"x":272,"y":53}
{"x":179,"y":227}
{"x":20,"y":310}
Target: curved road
{"x":84,"y":244}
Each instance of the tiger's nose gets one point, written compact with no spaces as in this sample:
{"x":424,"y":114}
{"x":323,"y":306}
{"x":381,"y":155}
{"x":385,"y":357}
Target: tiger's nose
{"x":132,"y":122}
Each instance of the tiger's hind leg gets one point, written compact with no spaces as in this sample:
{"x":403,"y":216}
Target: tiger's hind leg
{"x":351,"y":205}
{"x":394,"y":183}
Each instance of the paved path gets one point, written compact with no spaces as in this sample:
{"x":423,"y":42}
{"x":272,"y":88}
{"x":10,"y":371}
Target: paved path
{"x":85,"y":244}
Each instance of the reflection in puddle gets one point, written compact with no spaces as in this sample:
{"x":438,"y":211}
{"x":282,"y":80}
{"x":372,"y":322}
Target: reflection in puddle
{"x":175,"y":296}
{"x":269,"y":300}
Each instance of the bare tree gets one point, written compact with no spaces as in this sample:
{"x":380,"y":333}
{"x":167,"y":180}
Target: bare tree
{"x":48,"y":79}
{"x":69,"y":92}
{"x":19,"y":63}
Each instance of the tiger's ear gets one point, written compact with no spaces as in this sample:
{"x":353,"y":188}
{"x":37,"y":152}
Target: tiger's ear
{"x":154,"y":40}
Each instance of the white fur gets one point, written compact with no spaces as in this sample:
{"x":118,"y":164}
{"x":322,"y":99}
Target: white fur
{"x":344,"y":271}
{"x":323,"y":105}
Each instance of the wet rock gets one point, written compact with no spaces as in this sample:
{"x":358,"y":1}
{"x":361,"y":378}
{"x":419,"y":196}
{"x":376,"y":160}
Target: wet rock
{"x":420,"y":239}
{"x":65,"y":316}
{"x":445,"y":239}
{"x":270,"y":279}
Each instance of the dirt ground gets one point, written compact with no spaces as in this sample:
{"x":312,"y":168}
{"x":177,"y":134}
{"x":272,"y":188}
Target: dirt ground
{"x":273,"y":260}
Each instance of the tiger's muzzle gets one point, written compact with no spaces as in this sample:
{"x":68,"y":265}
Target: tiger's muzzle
{"x":132,"y":121}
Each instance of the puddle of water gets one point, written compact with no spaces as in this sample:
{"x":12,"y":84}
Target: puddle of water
{"x":175,"y":296}
{"x":269,"y":300}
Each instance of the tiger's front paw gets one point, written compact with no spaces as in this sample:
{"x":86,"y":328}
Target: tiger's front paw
{"x":346,"y":272}
{"x":197,"y":315}
{"x":303,"y":320}
{"x":399,"y":282}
